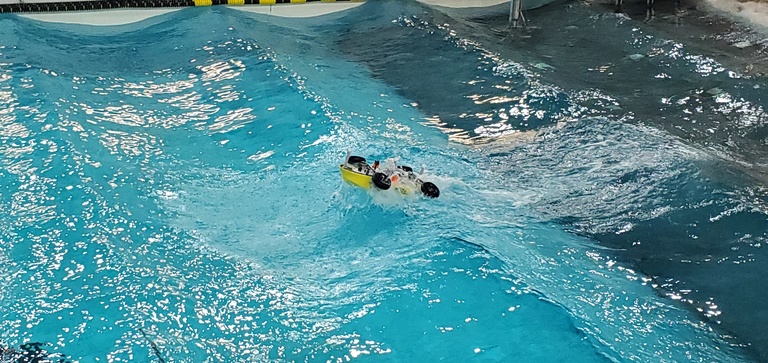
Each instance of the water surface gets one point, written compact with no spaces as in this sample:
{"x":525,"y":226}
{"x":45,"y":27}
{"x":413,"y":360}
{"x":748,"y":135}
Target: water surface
{"x":174,"y":183}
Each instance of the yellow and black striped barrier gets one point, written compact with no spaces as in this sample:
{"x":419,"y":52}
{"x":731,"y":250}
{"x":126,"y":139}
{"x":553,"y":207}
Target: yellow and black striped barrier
{"x":120,"y":4}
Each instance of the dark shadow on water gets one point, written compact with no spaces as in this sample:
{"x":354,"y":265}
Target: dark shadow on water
{"x":712,"y":268}
{"x":32,"y":352}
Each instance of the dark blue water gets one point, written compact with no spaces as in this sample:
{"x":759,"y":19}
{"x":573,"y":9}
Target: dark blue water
{"x":173,"y":183}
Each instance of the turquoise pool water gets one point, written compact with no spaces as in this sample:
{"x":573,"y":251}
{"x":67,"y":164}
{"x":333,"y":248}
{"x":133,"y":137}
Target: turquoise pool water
{"x":170,"y":192}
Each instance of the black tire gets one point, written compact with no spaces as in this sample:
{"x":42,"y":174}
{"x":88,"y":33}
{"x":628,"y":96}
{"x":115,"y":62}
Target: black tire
{"x":381,"y":181}
{"x":430,"y":190}
{"x":355,"y":159}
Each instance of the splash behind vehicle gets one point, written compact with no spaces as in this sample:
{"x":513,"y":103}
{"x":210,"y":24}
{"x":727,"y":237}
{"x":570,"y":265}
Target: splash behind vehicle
{"x":356,"y":171}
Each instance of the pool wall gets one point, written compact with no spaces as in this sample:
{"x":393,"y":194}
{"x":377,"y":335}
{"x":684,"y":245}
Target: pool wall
{"x":44,"y":6}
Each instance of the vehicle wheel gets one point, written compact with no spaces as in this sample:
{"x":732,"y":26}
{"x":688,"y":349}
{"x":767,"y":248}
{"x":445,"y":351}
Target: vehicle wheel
{"x":381,"y":181}
{"x":430,"y":190}
{"x":355,"y":159}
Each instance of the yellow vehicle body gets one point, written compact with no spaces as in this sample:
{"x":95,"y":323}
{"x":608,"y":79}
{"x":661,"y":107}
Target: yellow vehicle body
{"x":355,"y":178}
